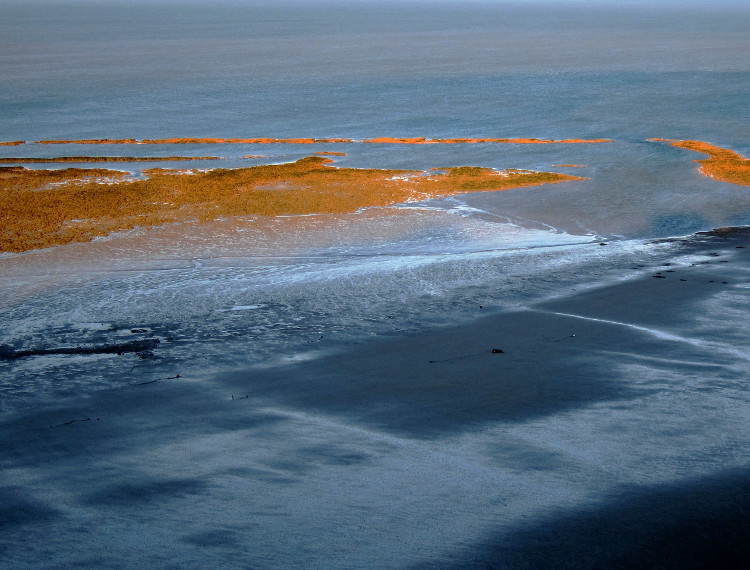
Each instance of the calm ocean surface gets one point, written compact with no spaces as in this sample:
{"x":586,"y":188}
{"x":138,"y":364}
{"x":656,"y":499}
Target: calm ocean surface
{"x":325,"y":70}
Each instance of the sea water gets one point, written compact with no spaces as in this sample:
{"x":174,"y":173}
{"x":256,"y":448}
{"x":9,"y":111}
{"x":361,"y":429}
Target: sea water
{"x":289,"y":485}
{"x":253,"y":290}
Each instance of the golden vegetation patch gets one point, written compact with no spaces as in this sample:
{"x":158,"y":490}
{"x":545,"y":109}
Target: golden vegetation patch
{"x":90,"y":141}
{"x":63,"y":159}
{"x":378,"y":140}
{"x":422,"y":140}
{"x":20,"y":178}
{"x":261,"y":140}
{"x":35,"y":213}
{"x":722,"y":164}
{"x":12,"y":143}
{"x":200,"y":140}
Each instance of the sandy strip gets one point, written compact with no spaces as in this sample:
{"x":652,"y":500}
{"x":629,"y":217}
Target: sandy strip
{"x":376,"y":140}
{"x":422,"y":140}
{"x":62,"y":159}
{"x":201,"y":140}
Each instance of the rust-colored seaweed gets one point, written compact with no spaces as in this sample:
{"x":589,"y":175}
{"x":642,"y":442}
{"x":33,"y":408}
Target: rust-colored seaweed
{"x":89,"y":141}
{"x":379,"y":140}
{"x":64,"y":159}
{"x":36,"y":213}
{"x":198,"y":140}
{"x":722,"y":164}
{"x":423,"y":140}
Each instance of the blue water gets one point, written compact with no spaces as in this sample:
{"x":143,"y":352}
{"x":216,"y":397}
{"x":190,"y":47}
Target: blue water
{"x":157,"y":70}
{"x":150,"y":70}
{"x":253,"y":294}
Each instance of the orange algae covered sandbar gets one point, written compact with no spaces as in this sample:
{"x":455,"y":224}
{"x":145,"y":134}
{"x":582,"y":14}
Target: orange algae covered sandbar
{"x":242,"y":141}
{"x":61,"y":159}
{"x":722,"y":164}
{"x":423,"y":140}
{"x":378,"y":140}
{"x":36,"y":214}
{"x":18,"y":178}
{"x":200,"y":140}
{"x":90,"y":141}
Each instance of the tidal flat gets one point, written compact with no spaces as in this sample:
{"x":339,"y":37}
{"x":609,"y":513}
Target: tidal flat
{"x":603,"y":426}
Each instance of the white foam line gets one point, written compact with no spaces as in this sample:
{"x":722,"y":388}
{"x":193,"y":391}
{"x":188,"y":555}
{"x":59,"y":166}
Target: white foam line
{"x":661,"y":335}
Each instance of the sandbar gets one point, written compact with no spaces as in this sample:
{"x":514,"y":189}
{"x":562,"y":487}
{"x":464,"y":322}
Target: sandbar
{"x":200,"y":140}
{"x":376,"y":140}
{"x":89,"y":141}
{"x":32,"y":160}
{"x":43,"y":208}
{"x":723,"y":164}
{"x":422,"y":140}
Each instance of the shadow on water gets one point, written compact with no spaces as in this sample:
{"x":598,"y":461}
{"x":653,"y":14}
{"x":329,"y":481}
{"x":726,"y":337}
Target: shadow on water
{"x":453,"y":381}
{"x":701,"y":524}
{"x":565,"y":354}
{"x":18,"y":508}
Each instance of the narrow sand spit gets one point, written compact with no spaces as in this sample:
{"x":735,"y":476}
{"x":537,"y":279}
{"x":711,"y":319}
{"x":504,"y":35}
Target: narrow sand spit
{"x":266,"y":140}
{"x":722,"y":164}
{"x":63,"y":159}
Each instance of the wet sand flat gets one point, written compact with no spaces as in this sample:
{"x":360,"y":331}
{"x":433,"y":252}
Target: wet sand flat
{"x":463,"y":447}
